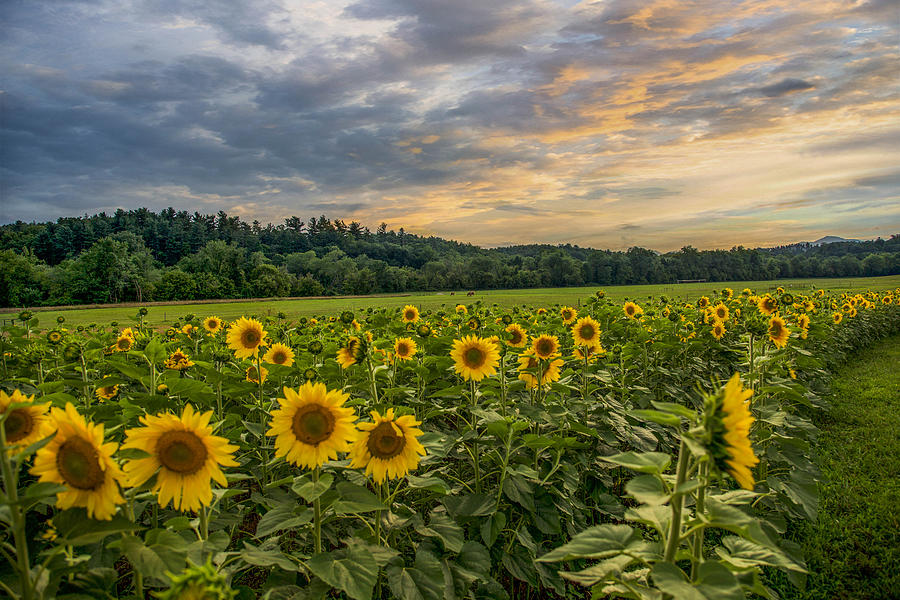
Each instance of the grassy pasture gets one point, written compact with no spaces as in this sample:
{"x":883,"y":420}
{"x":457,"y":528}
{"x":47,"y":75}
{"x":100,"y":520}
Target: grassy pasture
{"x":165,"y":313}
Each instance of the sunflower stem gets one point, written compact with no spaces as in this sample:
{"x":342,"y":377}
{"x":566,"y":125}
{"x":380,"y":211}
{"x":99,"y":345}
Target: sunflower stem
{"x":372,"y":387}
{"x":475,"y":458}
{"x":11,"y":495}
{"x":677,"y":503}
{"x":701,"y":504}
{"x":262,"y":421}
{"x":317,"y":516}
{"x":204,"y":523}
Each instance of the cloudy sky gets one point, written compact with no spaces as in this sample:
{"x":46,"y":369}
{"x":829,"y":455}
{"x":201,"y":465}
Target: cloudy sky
{"x":606,"y":123}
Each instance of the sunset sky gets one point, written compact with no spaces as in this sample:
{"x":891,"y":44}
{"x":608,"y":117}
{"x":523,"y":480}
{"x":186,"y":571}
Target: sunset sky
{"x":606,"y":124}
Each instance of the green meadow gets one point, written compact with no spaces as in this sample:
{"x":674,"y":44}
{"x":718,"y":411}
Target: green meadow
{"x":165,"y":313}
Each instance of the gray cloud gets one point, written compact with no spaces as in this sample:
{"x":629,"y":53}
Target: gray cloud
{"x":786,"y":86}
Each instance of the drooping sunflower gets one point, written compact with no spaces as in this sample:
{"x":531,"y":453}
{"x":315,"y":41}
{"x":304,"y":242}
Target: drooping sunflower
{"x":212,"y":324}
{"x":107,"y":392}
{"x":718,"y":330}
{"x":351,"y":353}
{"x":404,"y":348}
{"x":387,"y":447}
{"x":410,"y":314}
{"x":803,"y":321}
{"x":27,"y":424}
{"x":475,"y":357}
{"x":279,"y":354}
{"x":179,"y":361}
{"x":78,"y":459}
{"x":516,"y":337}
{"x":568,"y":314}
{"x":592,"y":352}
{"x":530,"y":369}
{"x":245,"y":336}
{"x":632,"y":310}
{"x":184,"y":452}
{"x":720,"y":312}
{"x":252,"y":377}
{"x":586,"y":332}
{"x":778,"y":331}
{"x":545,"y":346}
{"x":728,"y":421}
{"x":767,"y":305}
{"x":312,"y":425}
{"x":461,"y":309}
{"x":474,"y":323}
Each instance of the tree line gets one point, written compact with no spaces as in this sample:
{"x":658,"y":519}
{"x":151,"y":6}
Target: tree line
{"x":140,"y":255}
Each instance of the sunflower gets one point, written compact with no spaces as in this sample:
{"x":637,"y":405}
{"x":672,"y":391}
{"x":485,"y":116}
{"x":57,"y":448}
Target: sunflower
{"x":778,"y":332}
{"x":592,"y":352}
{"x":404,"y":348}
{"x":632,"y":310}
{"x":250,"y":374}
{"x":461,"y":309}
{"x":767,"y":305}
{"x":545,"y":346}
{"x":387,"y":447}
{"x":178,"y":361}
{"x":78,"y":459}
{"x":350,"y":353}
{"x":475,"y":357}
{"x":568,"y":314}
{"x":474,"y":323}
{"x":703,"y":302}
{"x":410,"y":314}
{"x":212,"y":324}
{"x":123,"y":343}
{"x":26,"y":424}
{"x":54,"y":337}
{"x":586,"y":332}
{"x":245,"y":336}
{"x":188,"y":330}
{"x":315,"y":347}
{"x":106,"y":392}
{"x":184,"y":452}
{"x":530,"y":367}
{"x":312,"y":425}
{"x":718,"y":330}
{"x":423,"y":330}
{"x":803,"y":321}
{"x":516,"y":338}
{"x":728,"y":293}
{"x":279,"y":354}
{"x":728,"y":425}
{"x":720,"y":312}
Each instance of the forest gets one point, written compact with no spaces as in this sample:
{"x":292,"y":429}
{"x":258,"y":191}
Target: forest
{"x":140,"y":255}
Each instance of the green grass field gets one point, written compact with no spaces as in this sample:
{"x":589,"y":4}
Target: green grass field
{"x":854,"y":548}
{"x":161,"y":314}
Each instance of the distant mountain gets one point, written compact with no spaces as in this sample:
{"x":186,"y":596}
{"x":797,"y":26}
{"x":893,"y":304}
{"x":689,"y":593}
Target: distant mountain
{"x":830,"y":239}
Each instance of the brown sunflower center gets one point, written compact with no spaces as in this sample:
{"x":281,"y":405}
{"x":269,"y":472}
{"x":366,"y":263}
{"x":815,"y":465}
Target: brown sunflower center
{"x":410,"y":315}
{"x":402,"y":349}
{"x":250,"y":338}
{"x":720,"y":313}
{"x":587,"y":331}
{"x":384,"y":443}
{"x":775,"y":329}
{"x":124,"y":344}
{"x":79,"y":464}
{"x":181,"y":451}
{"x":18,"y":425}
{"x":312,"y":424}
{"x":544,"y":347}
{"x":474,"y":357}
{"x":629,"y":310}
{"x":567,"y":315}
{"x":516,"y":336}
{"x":279,"y":357}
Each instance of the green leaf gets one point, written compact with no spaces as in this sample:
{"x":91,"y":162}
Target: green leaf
{"x":444,"y":528}
{"x":602,"y":571}
{"x":285,"y":516}
{"x":472,"y":505}
{"x":355,"y":499}
{"x":600,"y":541}
{"x":675,"y":409}
{"x":647,"y":489}
{"x":656,"y":516}
{"x":492,"y":528}
{"x":423,"y":581}
{"x":672,"y":580}
{"x":643,"y":462}
{"x":74,"y":528}
{"x":743,"y":554}
{"x":161,"y":551}
{"x":430,"y":483}
{"x":519,"y":491}
{"x":352,"y":570}
{"x":267,"y":555}
{"x":310,"y":490}
{"x":656,"y":416}
{"x":155,"y":352}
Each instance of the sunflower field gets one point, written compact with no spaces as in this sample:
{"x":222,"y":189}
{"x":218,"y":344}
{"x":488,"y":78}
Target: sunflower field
{"x":648,"y":450}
